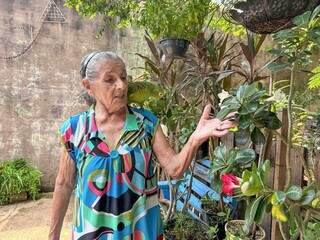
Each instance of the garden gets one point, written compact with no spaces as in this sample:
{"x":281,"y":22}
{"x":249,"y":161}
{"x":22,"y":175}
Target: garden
{"x":258,"y":58}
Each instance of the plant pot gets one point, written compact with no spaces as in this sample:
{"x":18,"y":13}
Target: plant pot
{"x":265,"y":17}
{"x":167,"y":231}
{"x":221,"y":234}
{"x":174,"y":47}
{"x":19,"y":197}
{"x":233,"y":228}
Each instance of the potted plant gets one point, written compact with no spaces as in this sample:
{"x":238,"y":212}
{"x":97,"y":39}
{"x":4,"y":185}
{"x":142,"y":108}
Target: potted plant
{"x":285,"y":206}
{"x":252,"y":186}
{"x":249,"y":101}
{"x":215,"y":217}
{"x":176,"y":23}
{"x":18,"y":181}
{"x":183,"y":227}
{"x":267,"y":16}
{"x":225,"y":161}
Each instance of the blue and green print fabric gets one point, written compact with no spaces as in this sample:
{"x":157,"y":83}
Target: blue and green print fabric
{"x":116,"y":189}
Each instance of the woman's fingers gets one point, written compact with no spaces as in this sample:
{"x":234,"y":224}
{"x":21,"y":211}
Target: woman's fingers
{"x":231,"y":116}
{"x":220,"y":133}
{"x":227,"y":124}
{"x":206,"y":112}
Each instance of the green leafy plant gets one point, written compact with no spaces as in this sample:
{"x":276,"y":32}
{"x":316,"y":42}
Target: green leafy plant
{"x":17,"y":176}
{"x":118,"y":13}
{"x":248,"y":69}
{"x":314,"y":81}
{"x":294,"y":47}
{"x":254,"y":114}
{"x":285,"y":206}
{"x":167,"y":18}
{"x":214,"y":214}
{"x":183,"y":226}
{"x":312,"y":231}
{"x":177,"y":19}
{"x":212,"y":232}
{"x":229,"y":161}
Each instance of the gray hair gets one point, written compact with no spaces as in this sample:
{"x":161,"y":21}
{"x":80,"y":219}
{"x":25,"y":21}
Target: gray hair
{"x":89,"y":63}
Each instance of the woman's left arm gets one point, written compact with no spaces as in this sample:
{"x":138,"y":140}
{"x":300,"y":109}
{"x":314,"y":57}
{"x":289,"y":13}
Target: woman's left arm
{"x":175,"y":164}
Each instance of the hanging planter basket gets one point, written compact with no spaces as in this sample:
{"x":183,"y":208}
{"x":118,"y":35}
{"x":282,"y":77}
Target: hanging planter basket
{"x":174,"y":47}
{"x":269,"y":16}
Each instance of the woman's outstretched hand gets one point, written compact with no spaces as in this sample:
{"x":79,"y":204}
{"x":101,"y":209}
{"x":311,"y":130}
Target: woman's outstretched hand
{"x":212,"y":127}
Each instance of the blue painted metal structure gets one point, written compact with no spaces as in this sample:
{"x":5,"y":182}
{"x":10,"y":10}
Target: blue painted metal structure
{"x":199,"y":188}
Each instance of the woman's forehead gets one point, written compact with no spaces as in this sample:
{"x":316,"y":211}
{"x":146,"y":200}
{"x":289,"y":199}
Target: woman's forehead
{"x":112,"y":66}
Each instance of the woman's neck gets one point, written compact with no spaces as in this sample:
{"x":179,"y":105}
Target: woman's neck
{"x":105,"y":115}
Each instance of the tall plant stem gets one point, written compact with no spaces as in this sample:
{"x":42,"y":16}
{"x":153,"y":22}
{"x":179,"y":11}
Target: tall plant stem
{"x":185,"y":204}
{"x":283,"y":231}
{"x":289,"y":137}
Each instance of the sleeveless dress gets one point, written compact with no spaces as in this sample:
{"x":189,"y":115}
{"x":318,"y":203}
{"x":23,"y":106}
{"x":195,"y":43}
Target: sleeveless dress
{"x":116,"y":189}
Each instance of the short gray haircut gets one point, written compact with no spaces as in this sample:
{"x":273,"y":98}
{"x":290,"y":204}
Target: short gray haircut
{"x":89,"y":68}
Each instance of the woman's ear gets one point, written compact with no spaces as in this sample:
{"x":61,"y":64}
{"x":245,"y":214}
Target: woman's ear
{"x":87,"y":86}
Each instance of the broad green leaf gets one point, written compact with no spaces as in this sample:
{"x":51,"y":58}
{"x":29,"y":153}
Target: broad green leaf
{"x":278,"y":197}
{"x":220,"y":152}
{"x":225,"y":111}
{"x":246,"y":175}
{"x":278,"y":213}
{"x":261,"y":210}
{"x":294,"y":193}
{"x":257,"y":136}
{"x":315,"y":14}
{"x":307,"y":197}
{"x":248,"y":108}
{"x":271,"y":121}
{"x":251,"y":212}
{"x":241,"y":93}
{"x":265,"y":169}
{"x":221,"y":214}
{"x":242,"y":137}
{"x":244,"y":121}
{"x":252,"y":89}
{"x":277,"y":66}
{"x":253,"y":186}
{"x":245,"y":156}
{"x":316,"y":203}
{"x":302,"y":19}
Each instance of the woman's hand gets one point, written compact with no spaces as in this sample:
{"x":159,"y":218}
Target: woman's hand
{"x":212,"y":127}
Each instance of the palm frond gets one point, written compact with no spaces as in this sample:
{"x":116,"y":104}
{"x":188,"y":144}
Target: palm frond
{"x":314,"y":81}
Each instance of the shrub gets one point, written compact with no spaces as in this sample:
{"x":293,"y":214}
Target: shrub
{"x":17,"y":176}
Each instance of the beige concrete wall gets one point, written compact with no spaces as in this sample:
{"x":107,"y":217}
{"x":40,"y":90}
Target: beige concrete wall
{"x":41,"y":88}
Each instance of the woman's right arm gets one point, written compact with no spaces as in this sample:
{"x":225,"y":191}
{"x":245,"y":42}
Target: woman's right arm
{"x":64,"y":186}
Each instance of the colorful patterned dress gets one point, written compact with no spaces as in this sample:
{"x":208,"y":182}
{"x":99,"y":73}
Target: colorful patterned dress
{"x":116,"y":190}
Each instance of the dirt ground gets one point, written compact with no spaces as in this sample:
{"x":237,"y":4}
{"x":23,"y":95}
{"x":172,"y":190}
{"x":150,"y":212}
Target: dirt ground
{"x":30,"y":220}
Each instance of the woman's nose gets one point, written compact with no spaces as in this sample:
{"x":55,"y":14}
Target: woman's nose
{"x":120,"y":84}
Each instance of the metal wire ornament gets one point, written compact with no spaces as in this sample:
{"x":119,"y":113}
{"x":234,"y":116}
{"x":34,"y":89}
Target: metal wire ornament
{"x":51,"y":14}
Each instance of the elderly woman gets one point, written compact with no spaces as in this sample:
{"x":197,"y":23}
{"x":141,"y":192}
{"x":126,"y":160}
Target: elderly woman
{"x":107,"y":155}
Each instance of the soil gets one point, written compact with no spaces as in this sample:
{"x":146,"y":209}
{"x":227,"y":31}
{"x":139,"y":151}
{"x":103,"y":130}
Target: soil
{"x":234,"y":230}
{"x":30,"y":220}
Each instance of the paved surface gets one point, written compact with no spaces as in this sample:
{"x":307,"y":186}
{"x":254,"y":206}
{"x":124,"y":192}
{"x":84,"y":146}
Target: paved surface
{"x":30,"y":220}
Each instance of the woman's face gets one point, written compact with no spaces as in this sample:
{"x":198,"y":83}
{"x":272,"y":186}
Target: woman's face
{"x":110,"y":86}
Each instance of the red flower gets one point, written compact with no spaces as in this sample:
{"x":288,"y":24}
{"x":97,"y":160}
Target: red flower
{"x":229,"y":183}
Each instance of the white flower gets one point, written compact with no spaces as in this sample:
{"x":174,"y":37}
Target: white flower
{"x":223,"y":95}
{"x":278,"y":96}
